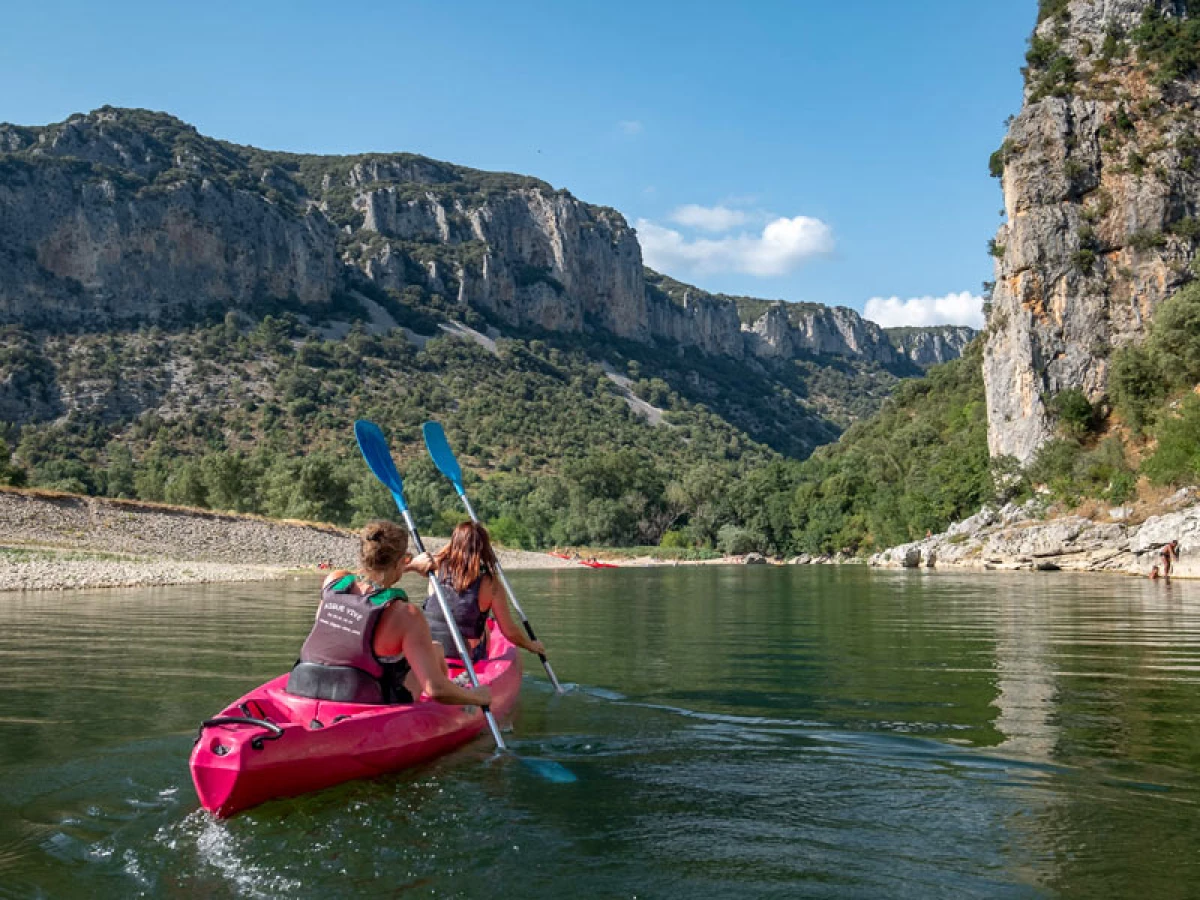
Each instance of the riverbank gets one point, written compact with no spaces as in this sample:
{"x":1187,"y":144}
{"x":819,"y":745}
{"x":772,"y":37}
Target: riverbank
{"x":1118,"y":540}
{"x":54,"y":541}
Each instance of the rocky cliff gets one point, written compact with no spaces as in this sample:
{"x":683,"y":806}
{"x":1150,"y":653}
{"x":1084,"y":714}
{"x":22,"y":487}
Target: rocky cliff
{"x":1101,"y":199}
{"x":100,"y":223}
{"x":933,"y":345}
{"x":126,"y":216}
{"x":790,"y":329}
{"x":774,"y":329}
{"x":1016,"y":537}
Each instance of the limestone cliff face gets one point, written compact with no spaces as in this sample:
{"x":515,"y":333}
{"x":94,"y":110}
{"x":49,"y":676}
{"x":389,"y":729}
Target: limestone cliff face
{"x":1101,"y":193}
{"x":123,"y":215}
{"x":747,"y":326}
{"x":698,"y":320}
{"x":127,"y":216}
{"x":82,"y":245}
{"x":931,"y":346}
{"x":788,"y":329}
{"x":529,"y":257}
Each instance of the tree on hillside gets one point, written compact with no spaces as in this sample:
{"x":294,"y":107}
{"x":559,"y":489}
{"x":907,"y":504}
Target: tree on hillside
{"x":10,"y":473}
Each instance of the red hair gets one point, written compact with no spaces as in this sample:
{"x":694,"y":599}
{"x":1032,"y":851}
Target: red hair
{"x":466,"y":556}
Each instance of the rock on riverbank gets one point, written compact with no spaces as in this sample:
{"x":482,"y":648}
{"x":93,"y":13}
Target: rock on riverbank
{"x":68,"y":541}
{"x":1013,"y":537}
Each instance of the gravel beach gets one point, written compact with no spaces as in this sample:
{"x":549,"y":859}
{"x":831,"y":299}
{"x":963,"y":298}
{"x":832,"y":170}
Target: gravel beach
{"x":52,"y":541}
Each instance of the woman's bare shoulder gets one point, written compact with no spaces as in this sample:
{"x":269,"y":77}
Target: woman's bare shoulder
{"x":489,"y":590}
{"x":335,"y":577}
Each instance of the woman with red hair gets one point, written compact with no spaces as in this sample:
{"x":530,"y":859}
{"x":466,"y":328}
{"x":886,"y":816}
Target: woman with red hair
{"x":464,"y":570}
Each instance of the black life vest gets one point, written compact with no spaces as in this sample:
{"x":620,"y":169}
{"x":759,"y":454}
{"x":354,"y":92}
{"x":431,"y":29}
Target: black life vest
{"x":338,"y":661}
{"x":464,"y":607}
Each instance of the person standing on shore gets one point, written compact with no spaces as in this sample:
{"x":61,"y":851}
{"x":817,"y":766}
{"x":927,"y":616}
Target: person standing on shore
{"x":1167,"y":555}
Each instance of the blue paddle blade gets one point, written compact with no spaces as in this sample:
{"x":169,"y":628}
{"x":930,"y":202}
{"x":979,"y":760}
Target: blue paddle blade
{"x":378,"y":455}
{"x":547,"y":769}
{"x":440,"y":452}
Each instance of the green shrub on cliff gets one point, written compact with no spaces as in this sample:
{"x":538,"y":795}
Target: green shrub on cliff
{"x":1049,"y":71}
{"x":1135,"y":386}
{"x":1176,"y":458}
{"x":1141,"y":377}
{"x":999,"y":159}
{"x":1053,"y":9}
{"x":1175,"y":337}
{"x":1169,"y":43}
{"x":1072,"y":472}
{"x":1074,"y":412}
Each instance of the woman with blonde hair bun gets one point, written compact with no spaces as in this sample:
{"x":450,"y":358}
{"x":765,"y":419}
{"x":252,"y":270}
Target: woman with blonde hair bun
{"x":368,"y":644}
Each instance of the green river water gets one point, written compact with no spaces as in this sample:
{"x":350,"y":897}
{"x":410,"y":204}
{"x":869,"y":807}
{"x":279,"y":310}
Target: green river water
{"x":736,"y":732}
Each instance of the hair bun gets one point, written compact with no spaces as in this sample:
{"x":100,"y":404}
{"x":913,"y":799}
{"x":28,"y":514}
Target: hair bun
{"x":373,"y":534}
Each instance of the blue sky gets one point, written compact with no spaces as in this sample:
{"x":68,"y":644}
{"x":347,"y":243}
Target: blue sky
{"x":808,"y":151}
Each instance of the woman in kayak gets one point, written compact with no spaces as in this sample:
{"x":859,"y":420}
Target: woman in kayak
{"x":464,"y":570}
{"x":368,"y":645}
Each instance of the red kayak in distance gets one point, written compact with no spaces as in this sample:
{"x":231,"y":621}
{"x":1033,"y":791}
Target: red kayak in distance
{"x":590,"y":563}
{"x":271,"y":744}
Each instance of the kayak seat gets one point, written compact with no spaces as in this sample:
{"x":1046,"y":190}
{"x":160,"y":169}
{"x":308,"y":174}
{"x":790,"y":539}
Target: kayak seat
{"x":343,"y":684}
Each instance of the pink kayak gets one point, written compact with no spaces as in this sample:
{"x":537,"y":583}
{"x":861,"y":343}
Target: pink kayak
{"x":270,"y":743}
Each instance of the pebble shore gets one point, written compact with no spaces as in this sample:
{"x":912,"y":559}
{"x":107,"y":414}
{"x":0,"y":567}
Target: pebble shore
{"x":54,"y":541}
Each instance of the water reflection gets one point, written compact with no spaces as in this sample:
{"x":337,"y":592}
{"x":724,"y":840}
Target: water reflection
{"x":736,"y":731}
{"x":1025,"y":682}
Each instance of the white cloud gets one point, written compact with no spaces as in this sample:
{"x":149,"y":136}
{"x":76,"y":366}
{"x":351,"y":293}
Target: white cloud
{"x":953,"y":309}
{"x":783,"y":245}
{"x":630,"y":126}
{"x":709,"y":218}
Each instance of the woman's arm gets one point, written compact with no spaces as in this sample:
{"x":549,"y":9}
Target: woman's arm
{"x":490,"y":591}
{"x":422,"y":564}
{"x":403,"y":629}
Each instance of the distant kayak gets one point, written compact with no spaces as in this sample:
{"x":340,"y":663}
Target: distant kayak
{"x":590,"y":563}
{"x":270,"y":743}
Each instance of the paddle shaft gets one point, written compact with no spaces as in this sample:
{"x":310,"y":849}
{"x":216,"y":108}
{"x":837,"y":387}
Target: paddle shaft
{"x":461,"y":645}
{"x":512,"y":596}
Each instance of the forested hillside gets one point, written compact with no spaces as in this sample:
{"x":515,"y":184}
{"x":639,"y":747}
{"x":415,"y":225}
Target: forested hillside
{"x":563,"y":443}
{"x":259,"y":420}
{"x":917,"y":464}
{"x":190,"y":320}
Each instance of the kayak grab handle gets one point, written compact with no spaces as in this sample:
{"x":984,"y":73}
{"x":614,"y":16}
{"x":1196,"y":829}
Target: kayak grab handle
{"x":256,"y":742}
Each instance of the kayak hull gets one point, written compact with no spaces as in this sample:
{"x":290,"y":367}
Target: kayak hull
{"x":316,"y":744}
